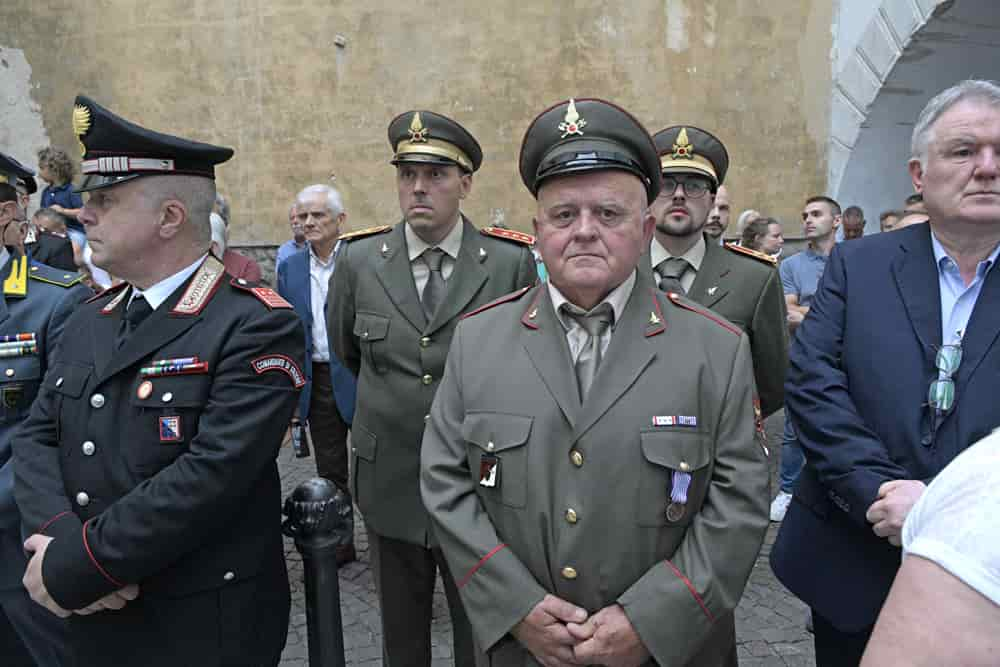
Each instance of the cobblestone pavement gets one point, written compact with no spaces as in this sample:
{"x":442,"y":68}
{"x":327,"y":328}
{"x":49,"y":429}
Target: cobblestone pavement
{"x":770,"y":622}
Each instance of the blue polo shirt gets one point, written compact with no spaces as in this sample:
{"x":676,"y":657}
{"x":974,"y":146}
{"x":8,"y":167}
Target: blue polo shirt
{"x":800,"y":274}
{"x":62,"y":195}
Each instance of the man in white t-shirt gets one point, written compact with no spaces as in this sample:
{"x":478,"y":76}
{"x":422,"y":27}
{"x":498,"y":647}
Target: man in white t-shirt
{"x":944,"y":606}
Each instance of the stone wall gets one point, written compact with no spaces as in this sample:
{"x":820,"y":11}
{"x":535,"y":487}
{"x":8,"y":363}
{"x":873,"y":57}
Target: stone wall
{"x":304,"y":89}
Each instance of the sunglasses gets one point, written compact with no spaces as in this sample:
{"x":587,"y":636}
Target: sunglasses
{"x":941,"y":393}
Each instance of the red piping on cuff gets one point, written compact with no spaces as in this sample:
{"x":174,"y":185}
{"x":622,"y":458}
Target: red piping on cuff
{"x":482,"y":561}
{"x":94,"y":560}
{"x":41,"y":531}
{"x":690,"y":586}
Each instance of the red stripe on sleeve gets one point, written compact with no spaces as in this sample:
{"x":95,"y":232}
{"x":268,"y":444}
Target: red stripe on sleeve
{"x":482,"y":561}
{"x":94,"y":560}
{"x":41,"y":531}
{"x":694,"y":593}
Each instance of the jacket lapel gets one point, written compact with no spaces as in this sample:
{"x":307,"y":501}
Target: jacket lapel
{"x":983,"y":328}
{"x":628,"y":355}
{"x":710,"y":283}
{"x":163,"y":324}
{"x":465,"y":281}
{"x":916,"y":278}
{"x":544,"y":339}
{"x":394,"y":272}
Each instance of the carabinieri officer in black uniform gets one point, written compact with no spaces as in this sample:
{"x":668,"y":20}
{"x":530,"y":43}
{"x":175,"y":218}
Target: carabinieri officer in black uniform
{"x":146,"y":471}
{"x":37,"y":300}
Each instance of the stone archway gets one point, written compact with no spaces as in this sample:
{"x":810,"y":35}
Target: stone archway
{"x":908,"y":51}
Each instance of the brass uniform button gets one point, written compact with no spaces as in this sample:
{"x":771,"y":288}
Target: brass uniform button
{"x":576,"y":457}
{"x":568,"y":573}
{"x":427,"y":379}
{"x":685,"y":467}
{"x":490,"y":446}
{"x":425,"y":341}
{"x":571,"y":515}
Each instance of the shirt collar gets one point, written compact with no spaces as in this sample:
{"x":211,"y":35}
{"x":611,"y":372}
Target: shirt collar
{"x":159,"y":292}
{"x":617,"y":298}
{"x":694,"y":255}
{"x":451,"y":243}
{"x":315,"y":258}
{"x":943,"y":259}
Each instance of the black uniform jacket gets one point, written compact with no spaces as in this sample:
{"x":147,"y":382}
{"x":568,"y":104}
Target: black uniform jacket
{"x":167,"y":480}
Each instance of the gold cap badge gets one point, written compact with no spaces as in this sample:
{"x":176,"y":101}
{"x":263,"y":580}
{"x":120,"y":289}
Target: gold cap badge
{"x":682,"y":147}
{"x":572,"y":123}
{"x":418,"y":133}
{"x":81,"y":125}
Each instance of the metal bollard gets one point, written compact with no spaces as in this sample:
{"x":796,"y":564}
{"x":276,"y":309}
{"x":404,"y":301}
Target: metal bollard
{"x":320,"y":519}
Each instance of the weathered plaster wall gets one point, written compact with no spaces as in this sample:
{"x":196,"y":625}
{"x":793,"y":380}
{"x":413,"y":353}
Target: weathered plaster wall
{"x":267,"y":78}
{"x":22,"y":131}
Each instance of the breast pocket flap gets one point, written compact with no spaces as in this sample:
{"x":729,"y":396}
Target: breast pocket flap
{"x":369,"y":327}
{"x":686,"y":451}
{"x":67,"y":379}
{"x":494,"y":432}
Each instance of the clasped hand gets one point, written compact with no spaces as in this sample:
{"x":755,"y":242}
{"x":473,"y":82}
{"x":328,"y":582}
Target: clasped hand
{"x":37,"y":545}
{"x":888,"y":513}
{"x":560,"y":634}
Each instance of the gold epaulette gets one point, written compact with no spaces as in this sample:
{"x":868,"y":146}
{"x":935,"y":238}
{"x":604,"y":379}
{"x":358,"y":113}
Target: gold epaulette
{"x":361,"y":233}
{"x":508,"y":234}
{"x":756,"y":254}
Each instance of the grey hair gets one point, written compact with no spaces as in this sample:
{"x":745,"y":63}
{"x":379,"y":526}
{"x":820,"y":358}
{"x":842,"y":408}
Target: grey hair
{"x":970,"y":89}
{"x":223,"y":206}
{"x":197,"y":194}
{"x":220,"y":232}
{"x":334,"y":203}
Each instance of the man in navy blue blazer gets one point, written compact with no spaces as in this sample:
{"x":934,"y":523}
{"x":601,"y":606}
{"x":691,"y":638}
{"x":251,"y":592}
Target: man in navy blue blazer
{"x":327,"y":400}
{"x":894,"y":372}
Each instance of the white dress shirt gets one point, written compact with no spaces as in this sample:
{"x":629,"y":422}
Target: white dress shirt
{"x":415,"y":247}
{"x":319,"y":286}
{"x":576,"y":335}
{"x":158,"y":293}
{"x":694,"y":256}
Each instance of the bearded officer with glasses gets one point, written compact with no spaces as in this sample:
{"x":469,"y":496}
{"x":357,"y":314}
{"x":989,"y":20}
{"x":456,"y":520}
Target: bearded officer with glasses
{"x":740,"y":284}
{"x":893,"y":373}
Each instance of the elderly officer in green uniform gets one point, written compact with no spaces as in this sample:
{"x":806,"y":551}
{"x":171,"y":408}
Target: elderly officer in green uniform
{"x":36,"y":302}
{"x":591,"y":462}
{"x":740,"y":284}
{"x":395,"y":298}
{"x":145,"y":472}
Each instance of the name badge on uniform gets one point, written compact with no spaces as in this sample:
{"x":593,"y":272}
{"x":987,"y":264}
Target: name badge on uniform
{"x":489,"y":471}
{"x":170,"y":428}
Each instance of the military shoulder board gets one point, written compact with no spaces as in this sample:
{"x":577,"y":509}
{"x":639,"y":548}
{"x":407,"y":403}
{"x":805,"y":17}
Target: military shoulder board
{"x":756,"y":254}
{"x":508,"y":235}
{"x":362,"y":233}
{"x":266,"y":295}
{"x":49,"y":274}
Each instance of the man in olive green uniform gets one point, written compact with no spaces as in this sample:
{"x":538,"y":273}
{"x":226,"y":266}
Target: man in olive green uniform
{"x":591,"y":462}
{"x":395,"y":298}
{"x":738,"y":283}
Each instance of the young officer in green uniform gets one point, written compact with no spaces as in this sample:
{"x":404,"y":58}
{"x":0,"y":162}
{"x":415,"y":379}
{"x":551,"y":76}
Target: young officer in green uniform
{"x":591,"y":463}
{"x":395,"y":298}
{"x":740,"y":284}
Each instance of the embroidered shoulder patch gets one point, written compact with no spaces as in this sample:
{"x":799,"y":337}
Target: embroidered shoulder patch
{"x":201,"y":287}
{"x":508,"y":234}
{"x":282,"y":363}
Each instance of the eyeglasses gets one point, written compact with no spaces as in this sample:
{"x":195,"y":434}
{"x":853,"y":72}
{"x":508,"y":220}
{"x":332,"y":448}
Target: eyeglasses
{"x":941,"y":394}
{"x":694,"y":186}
